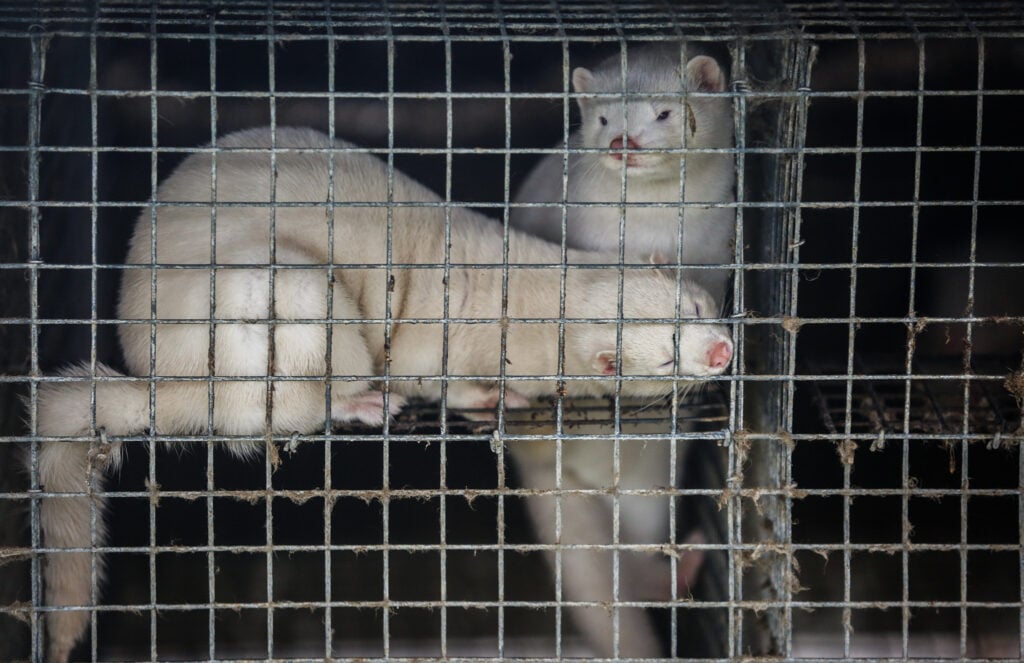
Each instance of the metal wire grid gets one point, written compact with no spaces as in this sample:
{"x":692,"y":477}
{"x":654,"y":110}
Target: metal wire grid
{"x":153,"y":549}
{"x":936,"y":406}
{"x":953,"y":402}
{"x":526,"y":20}
{"x":774,"y":480}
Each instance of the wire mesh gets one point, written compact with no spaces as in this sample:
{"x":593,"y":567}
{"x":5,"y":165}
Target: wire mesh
{"x":856,"y":476}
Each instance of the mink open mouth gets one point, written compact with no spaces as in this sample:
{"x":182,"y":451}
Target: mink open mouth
{"x":632,"y":162}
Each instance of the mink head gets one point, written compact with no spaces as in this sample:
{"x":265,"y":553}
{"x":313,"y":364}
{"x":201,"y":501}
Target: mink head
{"x":670,"y":119}
{"x":660,"y":347}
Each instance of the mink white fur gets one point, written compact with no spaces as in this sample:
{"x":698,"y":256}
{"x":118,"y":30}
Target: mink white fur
{"x":617,"y":178}
{"x":681,"y":123}
{"x":298,"y":315}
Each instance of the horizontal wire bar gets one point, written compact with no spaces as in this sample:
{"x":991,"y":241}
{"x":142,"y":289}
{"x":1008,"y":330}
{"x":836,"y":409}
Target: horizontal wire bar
{"x":390,"y":604}
{"x":752,"y":266}
{"x":300,"y":496}
{"x":744,"y":321}
{"x":747,"y":377}
{"x":995,"y":28}
{"x":486,"y":95}
{"x":530,"y":151}
{"x":937,"y":437}
{"x":803,"y":205}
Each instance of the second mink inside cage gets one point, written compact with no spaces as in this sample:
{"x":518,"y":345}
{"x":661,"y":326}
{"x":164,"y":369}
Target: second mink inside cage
{"x":857,"y":351}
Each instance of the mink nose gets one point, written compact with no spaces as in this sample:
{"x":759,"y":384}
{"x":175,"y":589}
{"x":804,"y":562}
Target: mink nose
{"x":616,"y":144}
{"x":720,"y":355}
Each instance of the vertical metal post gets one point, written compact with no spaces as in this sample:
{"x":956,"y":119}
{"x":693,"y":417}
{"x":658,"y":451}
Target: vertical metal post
{"x":39,"y":42}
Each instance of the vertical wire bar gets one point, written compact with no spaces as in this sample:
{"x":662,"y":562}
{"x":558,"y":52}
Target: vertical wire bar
{"x":851,"y":340}
{"x":735,"y":505}
{"x":386,"y":481}
{"x":506,"y":63}
{"x":562,"y":280}
{"x":504,"y":327}
{"x":905,"y":526}
{"x":443,"y":479}
{"x":38,"y":44}
{"x":503,"y":342}
{"x":95,"y":483}
{"x":905,"y":531}
{"x":211,"y":557}
{"x":329,"y":338}
{"x":151,"y":442}
{"x":268,"y":466}
{"x":674,"y":452}
{"x":733,"y":478}
{"x":673,"y":443}
{"x":965,"y":476}
{"x":617,"y":439}
{"x":912,"y":295}
{"x":798,"y":136}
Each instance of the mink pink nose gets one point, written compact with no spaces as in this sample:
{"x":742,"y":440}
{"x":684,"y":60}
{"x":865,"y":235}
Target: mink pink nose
{"x":720,"y":355}
{"x":616,"y":144}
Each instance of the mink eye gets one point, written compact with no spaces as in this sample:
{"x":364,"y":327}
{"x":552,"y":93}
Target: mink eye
{"x":663,"y":115}
{"x":604,"y":121}
{"x":697,"y":307}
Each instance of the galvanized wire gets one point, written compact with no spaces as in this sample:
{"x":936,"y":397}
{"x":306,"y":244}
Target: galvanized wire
{"x":906,"y":398}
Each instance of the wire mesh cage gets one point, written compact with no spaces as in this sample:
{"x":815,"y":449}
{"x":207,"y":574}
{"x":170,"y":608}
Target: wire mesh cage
{"x":849,"y":488}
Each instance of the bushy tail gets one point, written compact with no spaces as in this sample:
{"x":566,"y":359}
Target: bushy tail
{"x":65,"y":410}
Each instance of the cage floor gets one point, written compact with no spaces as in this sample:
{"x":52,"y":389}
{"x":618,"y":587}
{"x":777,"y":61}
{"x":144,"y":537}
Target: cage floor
{"x":807,"y":645}
{"x":927,"y":400}
{"x":919,"y":645}
{"x":704,"y":411}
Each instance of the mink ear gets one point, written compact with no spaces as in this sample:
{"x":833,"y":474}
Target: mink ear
{"x":604,"y":362}
{"x":582,"y":81}
{"x":704,"y":75}
{"x":658,"y":258}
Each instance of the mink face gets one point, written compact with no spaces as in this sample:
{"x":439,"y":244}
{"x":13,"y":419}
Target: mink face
{"x":654,"y":111}
{"x":661,"y":347}
{"x":647,"y":142}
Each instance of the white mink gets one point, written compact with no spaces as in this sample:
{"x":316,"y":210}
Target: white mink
{"x":586,"y":573}
{"x":297,"y":313}
{"x":708,"y":236}
{"x":665,"y":122}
